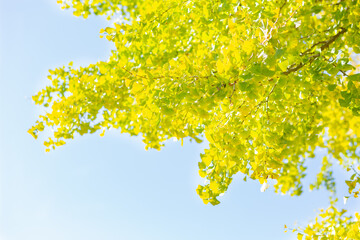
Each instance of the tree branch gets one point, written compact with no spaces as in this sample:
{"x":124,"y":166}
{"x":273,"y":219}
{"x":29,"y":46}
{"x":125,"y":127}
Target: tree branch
{"x":326,"y":44}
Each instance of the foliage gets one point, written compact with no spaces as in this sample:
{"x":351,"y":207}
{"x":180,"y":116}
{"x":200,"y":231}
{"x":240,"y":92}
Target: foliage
{"x":331,"y":224}
{"x":266,"y":82}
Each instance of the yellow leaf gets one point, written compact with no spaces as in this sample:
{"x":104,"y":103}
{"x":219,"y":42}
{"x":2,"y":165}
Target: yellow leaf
{"x":207,"y":160}
{"x":214,"y":186}
{"x":283,"y":65}
{"x":127,"y":82}
{"x":202,"y":173}
{"x":220,"y":66}
{"x":231,"y":24}
{"x":136,"y":88}
{"x":300,"y":236}
{"x":208,"y":137}
{"x":206,"y":12}
{"x":117,"y":26}
{"x":248,"y":46}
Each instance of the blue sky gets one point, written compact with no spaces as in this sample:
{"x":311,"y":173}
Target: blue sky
{"x":109,"y":187}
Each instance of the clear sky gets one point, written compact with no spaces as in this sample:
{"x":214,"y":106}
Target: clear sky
{"x":110,"y":187}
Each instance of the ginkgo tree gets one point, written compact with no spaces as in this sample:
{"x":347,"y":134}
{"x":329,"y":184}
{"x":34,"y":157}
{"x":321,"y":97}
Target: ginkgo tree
{"x":266,"y":82}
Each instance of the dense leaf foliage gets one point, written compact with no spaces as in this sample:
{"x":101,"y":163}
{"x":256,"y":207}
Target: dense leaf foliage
{"x":266,"y":82}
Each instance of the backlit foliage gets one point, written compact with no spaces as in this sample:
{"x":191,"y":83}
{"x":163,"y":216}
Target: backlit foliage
{"x":265,"y":82}
{"x":331,"y":224}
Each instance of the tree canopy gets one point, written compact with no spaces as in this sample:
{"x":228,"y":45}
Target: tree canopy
{"x":267,"y":83}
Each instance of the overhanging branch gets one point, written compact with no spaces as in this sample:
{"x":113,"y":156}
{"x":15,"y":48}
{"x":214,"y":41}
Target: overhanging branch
{"x":325,"y":45}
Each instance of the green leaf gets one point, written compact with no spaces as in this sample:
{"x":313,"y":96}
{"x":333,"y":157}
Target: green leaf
{"x":356,"y":49}
{"x":267,"y":72}
{"x":331,"y":87}
{"x":347,"y":67}
{"x":316,"y":9}
{"x":279,"y":53}
{"x":344,"y":103}
{"x":354,"y":77}
{"x":346,"y":95}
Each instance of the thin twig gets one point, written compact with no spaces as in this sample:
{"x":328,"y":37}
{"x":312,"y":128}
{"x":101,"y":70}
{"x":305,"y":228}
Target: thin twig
{"x":326,"y":44}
